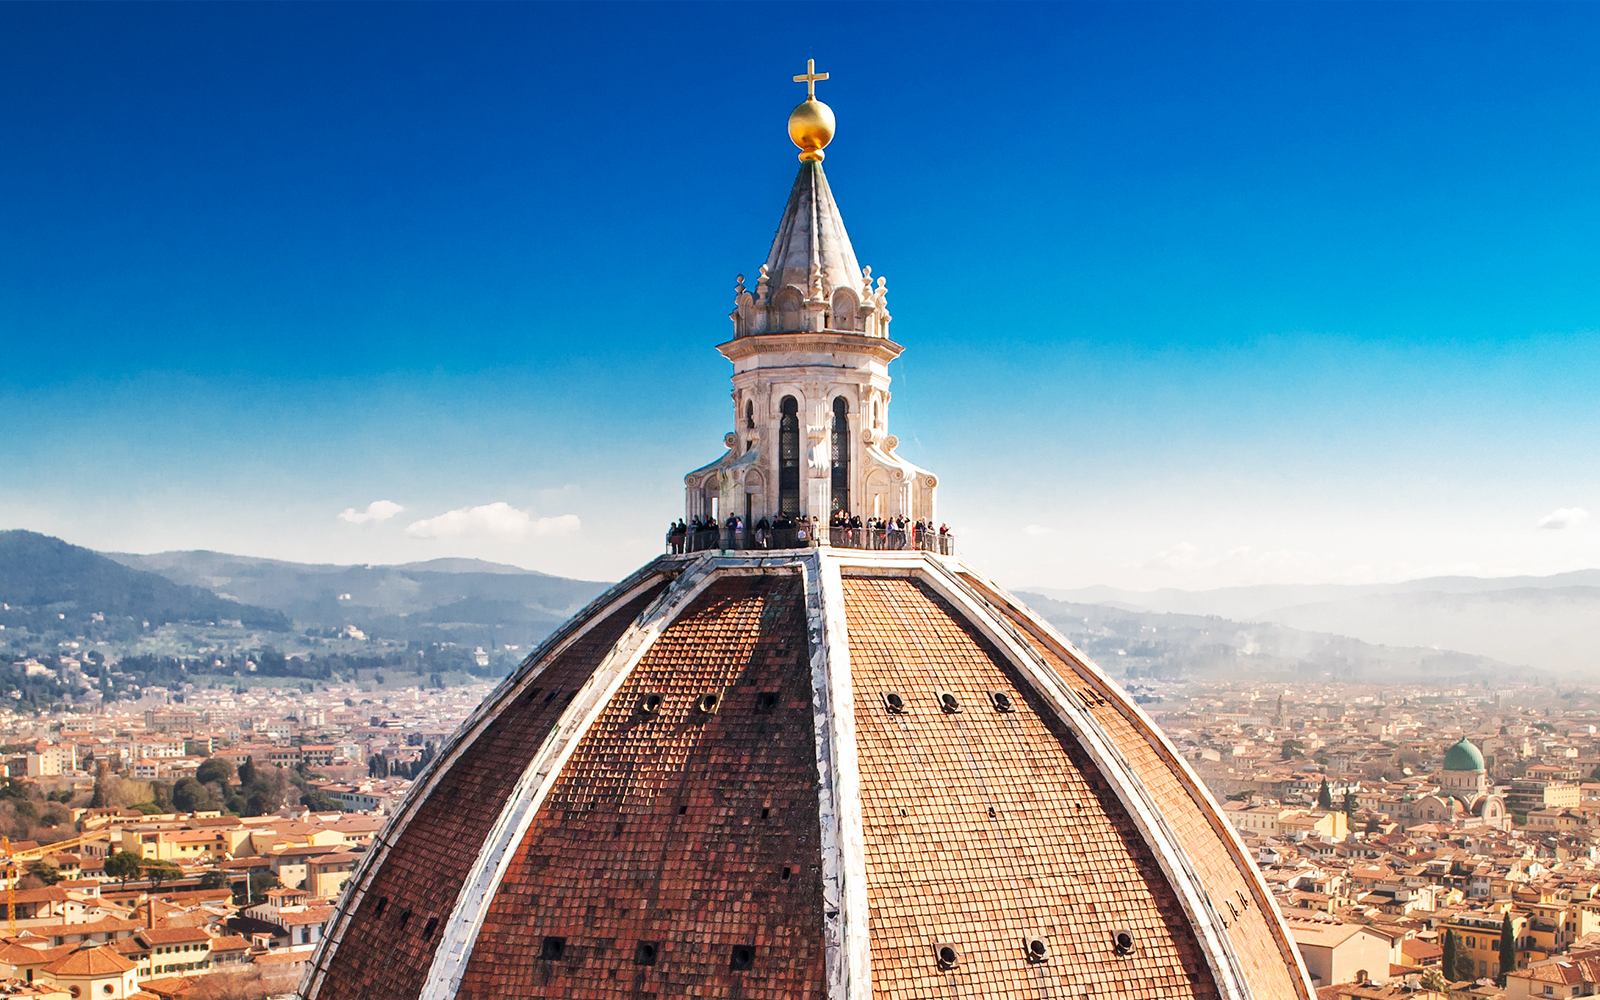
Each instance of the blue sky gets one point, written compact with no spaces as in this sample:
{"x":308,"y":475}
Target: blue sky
{"x":1193,"y":295}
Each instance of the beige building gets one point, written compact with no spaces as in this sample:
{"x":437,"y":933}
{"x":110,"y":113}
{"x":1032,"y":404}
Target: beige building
{"x":97,"y":972}
{"x":187,"y":845}
{"x":1343,"y":953}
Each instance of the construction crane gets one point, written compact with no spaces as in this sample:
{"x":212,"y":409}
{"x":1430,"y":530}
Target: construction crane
{"x":11,"y":886}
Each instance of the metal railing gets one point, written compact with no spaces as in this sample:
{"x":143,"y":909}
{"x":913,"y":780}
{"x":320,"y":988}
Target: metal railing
{"x":882,"y":539}
{"x":876,"y":539}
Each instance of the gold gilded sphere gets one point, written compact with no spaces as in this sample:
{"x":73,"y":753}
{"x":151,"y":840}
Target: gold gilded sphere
{"x":811,"y":127}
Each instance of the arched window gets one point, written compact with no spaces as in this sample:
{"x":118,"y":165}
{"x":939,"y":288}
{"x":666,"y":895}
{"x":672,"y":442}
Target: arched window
{"x":789,"y":457}
{"x":841,"y":453}
{"x":750,"y":414}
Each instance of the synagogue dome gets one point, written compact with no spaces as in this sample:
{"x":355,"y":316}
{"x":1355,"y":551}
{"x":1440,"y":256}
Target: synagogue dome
{"x":807,"y":755}
{"x":1463,"y":756}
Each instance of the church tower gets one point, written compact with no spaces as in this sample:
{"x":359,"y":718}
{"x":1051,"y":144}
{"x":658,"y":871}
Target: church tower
{"x":835,"y":767}
{"x":811,"y":354}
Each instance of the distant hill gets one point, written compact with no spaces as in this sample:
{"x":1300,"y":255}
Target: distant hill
{"x":1544,"y":622}
{"x":51,"y":585}
{"x":1136,"y":644}
{"x":458,"y":600}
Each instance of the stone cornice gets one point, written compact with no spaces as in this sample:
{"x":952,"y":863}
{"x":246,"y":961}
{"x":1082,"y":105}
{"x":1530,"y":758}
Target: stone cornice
{"x":878,"y":348}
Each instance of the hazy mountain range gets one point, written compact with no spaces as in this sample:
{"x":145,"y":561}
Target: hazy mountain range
{"x":465,"y":600}
{"x":1549,"y":623}
{"x":1458,"y":628}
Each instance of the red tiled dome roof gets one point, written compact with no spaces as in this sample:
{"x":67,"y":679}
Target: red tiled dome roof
{"x":819,"y":773}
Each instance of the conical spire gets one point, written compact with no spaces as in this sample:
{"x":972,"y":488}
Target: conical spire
{"x":812,"y":241}
{"x":811,"y":281}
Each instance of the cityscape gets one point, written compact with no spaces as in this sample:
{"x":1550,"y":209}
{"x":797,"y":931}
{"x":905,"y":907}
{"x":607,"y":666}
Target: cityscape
{"x":1399,"y":827}
{"x":454,"y":546}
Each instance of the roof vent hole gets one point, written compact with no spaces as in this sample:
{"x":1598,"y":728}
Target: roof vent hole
{"x":1038,"y":951}
{"x":894,"y":702}
{"x":553,"y":948}
{"x":1122,"y":942}
{"x":948,"y":955}
{"x":765,"y":813}
{"x":1002,"y":701}
{"x":743,"y":957}
{"x":766,"y":701}
{"x":383,"y":904}
{"x":429,"y":928}
{"x":683,"y":810}
{"x":650,"y":704}
{"x":947,"y":701}
{"x":709,"y":702}
{"x":787,"y":871}
{"x":644,"y":953}
{"x":405,"y":918}
{"x":551,"y":696}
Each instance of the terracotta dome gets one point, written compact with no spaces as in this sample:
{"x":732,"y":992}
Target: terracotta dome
{"x":704,"y":783}
{"x":805,"y":768}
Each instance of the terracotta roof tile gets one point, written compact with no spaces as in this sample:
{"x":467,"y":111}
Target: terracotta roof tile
{"x":984,"y":828}
{"x":90,"y":962}
{"x":378,"y":957}
{"x":695,"y":832}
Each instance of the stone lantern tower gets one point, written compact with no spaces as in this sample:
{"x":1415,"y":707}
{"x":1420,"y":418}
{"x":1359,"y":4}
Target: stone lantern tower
{"x":811,"y":353}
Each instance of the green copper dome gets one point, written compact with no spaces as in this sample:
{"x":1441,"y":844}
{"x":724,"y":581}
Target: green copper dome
{"x":1463,"y":757}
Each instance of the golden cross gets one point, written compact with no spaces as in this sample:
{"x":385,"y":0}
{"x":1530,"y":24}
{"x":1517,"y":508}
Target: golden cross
{"x":810,"y":78}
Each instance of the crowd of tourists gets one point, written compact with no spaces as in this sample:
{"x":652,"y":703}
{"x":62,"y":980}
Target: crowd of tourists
{"x":787,"y":531}
{"x":851,"y":531}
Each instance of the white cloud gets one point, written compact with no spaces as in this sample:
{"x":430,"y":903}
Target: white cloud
{"x":1184,"y":555}
{"x":377,"y":510}
{"x":493,"y":520}
{"x":1037,"y":530}
{"x":1564,"y":517}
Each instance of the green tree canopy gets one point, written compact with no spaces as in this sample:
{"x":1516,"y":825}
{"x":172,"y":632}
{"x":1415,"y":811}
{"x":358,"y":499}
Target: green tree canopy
{"x":214,"y":879}
{"x":1508,"y":949}
{"x":188,"y":795}
{"x":214,"y":769}
{"x":122,"y":865}
{"x":252,"y":889}
{"x":158,"y":871}
{"x":45,"y":872}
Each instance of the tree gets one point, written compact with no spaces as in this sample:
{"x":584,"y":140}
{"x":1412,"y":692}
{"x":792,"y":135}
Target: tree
{"x":122,"y":865}
{"x":1350,"y":804}
{"x":1325,"y":796}
{"x":1464,"y":968}
{"x":261,"y":802}
{"x":1448,"y":961}
{"x":158,"y":871}
{"x":317,"y":800}
{"x":1292,"y":749}
{"x":214,"y":769}
{"x":1508,"y":949}
{"x":251,"y":890}
{"x":247,"y":771}
{"x":188,"y":795}
{"x":377,"y":767}
{"x":214,"y":879}
{"x":45,"y":872}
